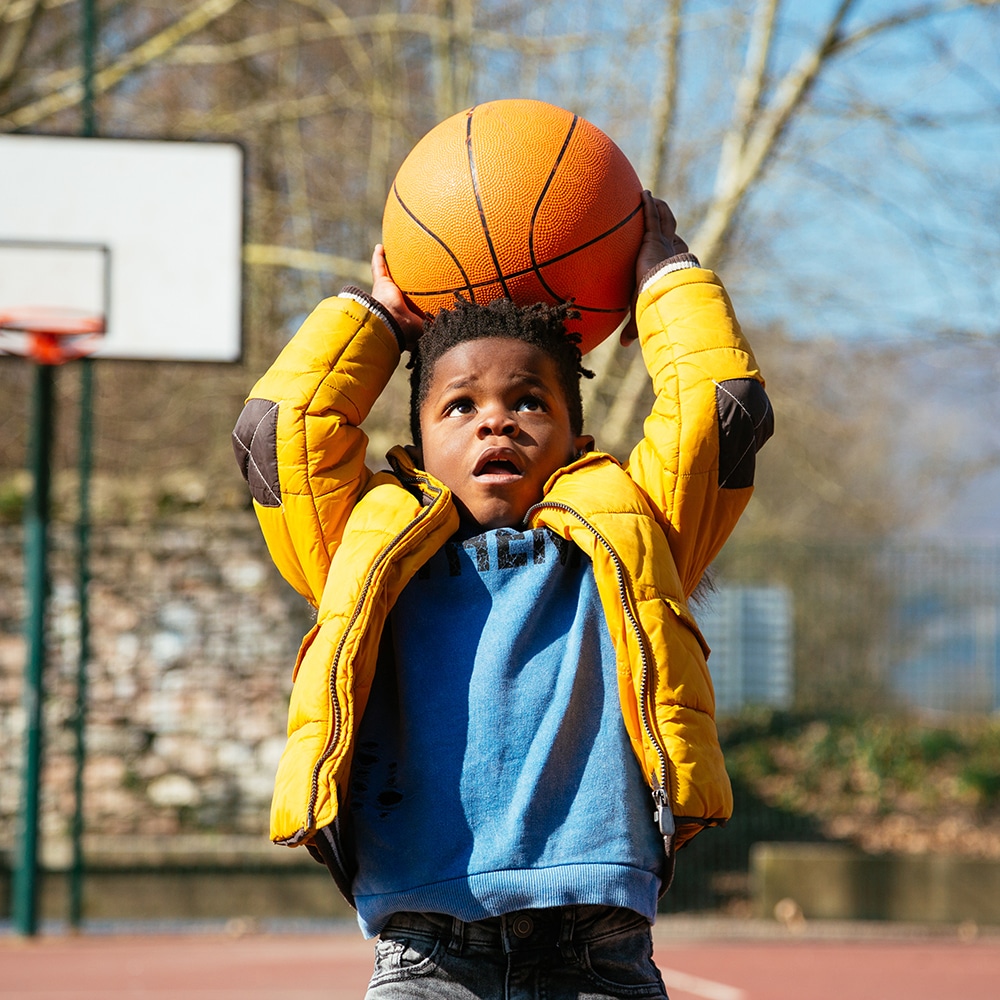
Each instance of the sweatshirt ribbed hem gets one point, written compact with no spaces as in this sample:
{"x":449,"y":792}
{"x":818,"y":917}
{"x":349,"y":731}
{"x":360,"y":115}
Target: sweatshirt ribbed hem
{"x":491,"y":894}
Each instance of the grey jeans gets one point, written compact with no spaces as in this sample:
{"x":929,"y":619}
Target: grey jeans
{"x":566,"y":953}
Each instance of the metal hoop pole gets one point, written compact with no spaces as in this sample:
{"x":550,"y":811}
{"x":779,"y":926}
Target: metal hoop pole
{"x":36,"y":524}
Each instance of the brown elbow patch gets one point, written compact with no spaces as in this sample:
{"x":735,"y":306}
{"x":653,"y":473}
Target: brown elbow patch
{"x":255,"y":442}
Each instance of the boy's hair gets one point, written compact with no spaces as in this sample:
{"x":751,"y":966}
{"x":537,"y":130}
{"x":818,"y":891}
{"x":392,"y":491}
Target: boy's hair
{"x":543,"y":326}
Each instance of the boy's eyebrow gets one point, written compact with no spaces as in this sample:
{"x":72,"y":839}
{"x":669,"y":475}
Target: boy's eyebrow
{"x":530,"y":378}
{"x":460,"y":382}
{"x":517,"y":378}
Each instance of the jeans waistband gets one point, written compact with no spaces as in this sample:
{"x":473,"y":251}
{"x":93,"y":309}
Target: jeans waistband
{"x":519,"y":930}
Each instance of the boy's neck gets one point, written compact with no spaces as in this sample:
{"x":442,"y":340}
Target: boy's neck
{"x":469,"y":529}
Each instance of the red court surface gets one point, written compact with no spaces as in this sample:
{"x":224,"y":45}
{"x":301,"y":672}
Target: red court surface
{"x":865,"y":964}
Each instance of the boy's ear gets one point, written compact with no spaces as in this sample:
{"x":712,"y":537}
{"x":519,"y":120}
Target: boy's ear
{"x":583,"y":444}
{"x":416,"y":454}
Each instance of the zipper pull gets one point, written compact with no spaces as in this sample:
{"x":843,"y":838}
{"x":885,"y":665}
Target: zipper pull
{"x":662,"y":815}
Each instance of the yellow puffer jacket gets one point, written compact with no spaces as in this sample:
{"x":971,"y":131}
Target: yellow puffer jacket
{"x":349,"y":540}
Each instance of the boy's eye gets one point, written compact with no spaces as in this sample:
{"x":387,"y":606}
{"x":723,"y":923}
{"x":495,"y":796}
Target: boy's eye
{"x":460,"y":407}
{"x":531,"y":403}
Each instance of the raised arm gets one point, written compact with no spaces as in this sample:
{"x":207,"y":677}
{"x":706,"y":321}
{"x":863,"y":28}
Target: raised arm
{"x":298,"y":441}
{"x":696,"y":460}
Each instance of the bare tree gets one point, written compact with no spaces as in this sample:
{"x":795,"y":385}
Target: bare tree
{"x":769,"y":100}
{"x":726,"y":108}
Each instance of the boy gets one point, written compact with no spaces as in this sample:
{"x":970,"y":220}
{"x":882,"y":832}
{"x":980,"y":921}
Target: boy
{"x":504,"y":667}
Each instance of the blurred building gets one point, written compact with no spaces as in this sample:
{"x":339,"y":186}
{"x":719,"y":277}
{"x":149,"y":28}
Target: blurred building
{"x":945,"y":634}
{"x":750,"y":631}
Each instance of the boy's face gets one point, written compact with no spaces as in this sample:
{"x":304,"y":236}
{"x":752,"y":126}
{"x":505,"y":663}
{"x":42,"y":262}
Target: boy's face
{"x":494,"y":427}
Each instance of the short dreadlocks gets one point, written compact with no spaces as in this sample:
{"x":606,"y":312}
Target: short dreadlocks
{"x":543,"y":326}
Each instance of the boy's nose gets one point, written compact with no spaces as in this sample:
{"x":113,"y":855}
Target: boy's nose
{"x":500,"y":423}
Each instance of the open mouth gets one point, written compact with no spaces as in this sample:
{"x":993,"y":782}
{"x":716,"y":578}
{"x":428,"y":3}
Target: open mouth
{"x":498,"y":469}
{"x":497,"y":462}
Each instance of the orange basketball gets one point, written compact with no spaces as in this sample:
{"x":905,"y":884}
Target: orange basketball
{"x":522,"y":200}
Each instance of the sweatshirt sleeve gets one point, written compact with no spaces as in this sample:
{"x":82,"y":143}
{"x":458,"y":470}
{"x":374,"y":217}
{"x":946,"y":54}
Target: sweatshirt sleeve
{"x":696,"y":460}
{"x":298,"y":440}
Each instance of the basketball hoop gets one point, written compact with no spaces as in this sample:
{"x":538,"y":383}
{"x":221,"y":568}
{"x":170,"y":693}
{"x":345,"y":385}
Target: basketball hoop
{"x":49,"y":336}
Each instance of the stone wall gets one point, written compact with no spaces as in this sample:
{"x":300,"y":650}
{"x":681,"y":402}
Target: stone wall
{"x":193,"y":637}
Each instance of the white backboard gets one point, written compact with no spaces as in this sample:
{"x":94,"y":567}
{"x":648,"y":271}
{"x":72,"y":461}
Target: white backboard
{"x":147,"y":233}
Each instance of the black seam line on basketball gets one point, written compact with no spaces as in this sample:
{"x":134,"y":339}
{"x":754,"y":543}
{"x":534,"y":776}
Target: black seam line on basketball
{"x":444,"y":246}
{"x":538,"y":206}
{"x":554,"y":260}
{"x":528,"y":270}
{"x":611,"y":310}
{"x":479,"y":206}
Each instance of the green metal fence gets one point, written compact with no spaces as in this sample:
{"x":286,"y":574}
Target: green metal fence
{"x":865,"y":708}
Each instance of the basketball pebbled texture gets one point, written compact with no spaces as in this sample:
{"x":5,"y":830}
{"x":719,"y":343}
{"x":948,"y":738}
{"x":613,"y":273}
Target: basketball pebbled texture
{"x":517,"y":199}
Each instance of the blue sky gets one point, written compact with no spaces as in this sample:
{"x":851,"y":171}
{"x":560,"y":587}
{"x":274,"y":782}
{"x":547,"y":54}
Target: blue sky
{"x":908,"y":213}
{"x":877,"y":218}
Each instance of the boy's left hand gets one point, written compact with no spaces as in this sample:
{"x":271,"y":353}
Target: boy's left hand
{"x":388,"y":293}
{"x":659,"y":242}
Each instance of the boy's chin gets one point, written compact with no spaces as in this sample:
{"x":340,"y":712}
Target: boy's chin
{"x":475,"y":522}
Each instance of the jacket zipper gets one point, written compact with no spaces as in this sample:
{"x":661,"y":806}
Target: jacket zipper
{"x":662,"y":814}
{"x":334,"y":737}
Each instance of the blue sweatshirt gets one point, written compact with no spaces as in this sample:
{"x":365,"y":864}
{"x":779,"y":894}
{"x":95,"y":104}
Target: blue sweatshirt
{"x":492,"y":770}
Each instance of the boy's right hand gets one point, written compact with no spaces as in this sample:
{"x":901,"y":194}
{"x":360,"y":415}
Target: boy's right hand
{"x":389,"y":295}
{"x":660,"y":239}
{"x":659,"y":242}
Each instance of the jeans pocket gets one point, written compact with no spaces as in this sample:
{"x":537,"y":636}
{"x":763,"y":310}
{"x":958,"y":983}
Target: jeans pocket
{"x":399,"y":957}
{"x":622,"y":964}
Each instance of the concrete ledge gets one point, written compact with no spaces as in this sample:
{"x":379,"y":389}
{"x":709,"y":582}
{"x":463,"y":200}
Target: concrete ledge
{"x":191,"y":878}
{"x":838,"y":882}
{"x":220,"y":878}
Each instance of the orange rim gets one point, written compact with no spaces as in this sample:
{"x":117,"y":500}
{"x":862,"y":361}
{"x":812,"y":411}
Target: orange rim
{"x":53,"y":336}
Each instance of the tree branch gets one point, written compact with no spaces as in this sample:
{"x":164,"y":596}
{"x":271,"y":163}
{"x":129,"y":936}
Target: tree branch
{"x":20,"y":18}
{"x":270,"y":255}
{"x":375,"y":24}
{"x":907,"y":17}
{"x":750,"y":144}
{"x":337,"y":20}
{"x":266,"y":113}
{"x":148,"y":52}
{"x":665,"y":97}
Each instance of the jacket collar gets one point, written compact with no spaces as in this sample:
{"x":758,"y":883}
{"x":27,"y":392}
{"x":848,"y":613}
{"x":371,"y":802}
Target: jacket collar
{"x":592,"y":480}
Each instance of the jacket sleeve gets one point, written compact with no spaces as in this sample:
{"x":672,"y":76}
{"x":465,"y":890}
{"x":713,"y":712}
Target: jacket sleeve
{"x":711,"y":414}
{"x":298,"y":440}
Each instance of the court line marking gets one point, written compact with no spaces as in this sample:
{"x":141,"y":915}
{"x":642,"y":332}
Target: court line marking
{"x":706,"y":988}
